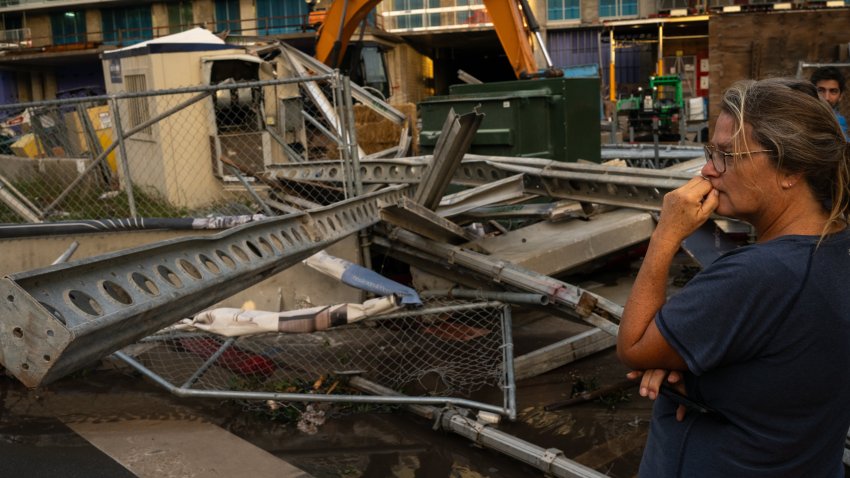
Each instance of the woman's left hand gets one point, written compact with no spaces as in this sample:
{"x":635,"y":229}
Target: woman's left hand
{"x":651,"y":381}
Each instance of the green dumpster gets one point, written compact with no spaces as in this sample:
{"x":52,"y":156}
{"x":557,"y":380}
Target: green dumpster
{"x":553,"y":118}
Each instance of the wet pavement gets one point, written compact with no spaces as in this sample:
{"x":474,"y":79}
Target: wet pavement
{"x":45,"y":446}
{"x":111,"y":422}
{"x":37,"y":429}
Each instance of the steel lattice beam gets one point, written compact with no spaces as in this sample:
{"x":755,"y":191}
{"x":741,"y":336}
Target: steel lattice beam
{"x":638,"y":188}
{"x":55,"y":320}
{"x":404,"y":170}
{"x":591,"y":308}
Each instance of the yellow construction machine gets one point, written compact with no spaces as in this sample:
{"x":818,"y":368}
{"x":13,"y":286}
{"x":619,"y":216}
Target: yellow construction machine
{"x":512,"y":19}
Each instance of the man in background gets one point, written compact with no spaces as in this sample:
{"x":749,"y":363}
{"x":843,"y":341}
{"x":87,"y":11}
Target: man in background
{"x":830,"y":84}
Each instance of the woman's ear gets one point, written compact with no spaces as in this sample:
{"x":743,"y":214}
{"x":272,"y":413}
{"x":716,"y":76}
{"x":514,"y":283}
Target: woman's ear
{"x":789,"y":180}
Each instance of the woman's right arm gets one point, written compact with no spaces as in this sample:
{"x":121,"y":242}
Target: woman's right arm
{"x":640,"y":345}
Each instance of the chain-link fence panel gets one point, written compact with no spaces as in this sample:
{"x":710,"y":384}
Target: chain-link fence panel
{"x":174,"y":153}
{"x":447,"y":349}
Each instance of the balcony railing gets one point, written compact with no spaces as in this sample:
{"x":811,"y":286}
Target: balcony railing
{"x":15,"y":39}
{"x":437,"y":18}
{"x":18,"y":39}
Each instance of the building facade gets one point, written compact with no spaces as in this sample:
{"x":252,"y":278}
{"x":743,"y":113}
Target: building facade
{"x":52,"y":48}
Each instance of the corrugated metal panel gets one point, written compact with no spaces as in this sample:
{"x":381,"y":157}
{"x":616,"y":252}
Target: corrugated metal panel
{"x":629,"y":65}
{"x":576,"y":47}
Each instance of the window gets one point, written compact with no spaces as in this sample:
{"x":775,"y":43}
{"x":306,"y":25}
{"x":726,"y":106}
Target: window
{"x":374,"y":70}
{"x":409,"y":21}
{"x":12,"y":21}
{"x":68,"y":27}
{"x":434,"y":18}
{"x":227,"y":16}
{"x":137,"y":107}
{"x":617,"y":8}
{"x":280,"y":16}
{"x":126,"y":25}
{"x":462,"y":17}
{"x":12,"y":31}
{"x":563,"y":10}
{"x":179,"y":17}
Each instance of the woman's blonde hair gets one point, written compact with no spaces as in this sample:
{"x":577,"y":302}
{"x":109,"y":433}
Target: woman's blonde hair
{"x":786,"y":116}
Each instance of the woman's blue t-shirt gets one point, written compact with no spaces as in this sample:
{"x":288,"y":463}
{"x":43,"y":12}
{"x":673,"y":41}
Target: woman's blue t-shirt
{"x":765,"y":332}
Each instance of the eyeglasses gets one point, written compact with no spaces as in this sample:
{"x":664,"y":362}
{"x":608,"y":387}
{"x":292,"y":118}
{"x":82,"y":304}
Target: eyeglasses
{"x":718,"y":158}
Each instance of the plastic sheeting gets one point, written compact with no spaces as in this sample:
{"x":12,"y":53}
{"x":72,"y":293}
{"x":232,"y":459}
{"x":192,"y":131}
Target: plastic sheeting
{"x":361,"y":277}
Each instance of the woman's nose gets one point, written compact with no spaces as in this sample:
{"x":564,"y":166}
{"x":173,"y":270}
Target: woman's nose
{"x":709,"y":171}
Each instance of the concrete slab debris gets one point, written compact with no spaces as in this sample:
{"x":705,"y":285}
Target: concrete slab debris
{"x":552,"y":248}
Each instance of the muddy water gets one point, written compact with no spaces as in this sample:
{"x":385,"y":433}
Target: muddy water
{"x":384,"y":444}
{"x":607,"y":436}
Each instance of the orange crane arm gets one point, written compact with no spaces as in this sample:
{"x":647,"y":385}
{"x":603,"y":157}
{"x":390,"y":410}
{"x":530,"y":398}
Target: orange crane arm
{"x":343,"y":16}
{"x":508,"y":23}
{"x":340,"y":22}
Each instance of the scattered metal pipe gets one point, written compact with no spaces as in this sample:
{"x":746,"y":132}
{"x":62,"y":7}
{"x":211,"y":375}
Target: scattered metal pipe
{"x":67,"y":254}
{"x":510,"y":297}
{"x":551,"y":461}
{"x":434,"y":311}
{"x":235,"y":171}
{"x":315,"y":92}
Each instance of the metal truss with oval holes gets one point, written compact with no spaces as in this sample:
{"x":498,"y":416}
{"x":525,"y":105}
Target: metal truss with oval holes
{"x":638,"y":188}
{"x":56,"y":320}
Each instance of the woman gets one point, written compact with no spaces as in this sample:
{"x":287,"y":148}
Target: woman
{"x":760,"y":338}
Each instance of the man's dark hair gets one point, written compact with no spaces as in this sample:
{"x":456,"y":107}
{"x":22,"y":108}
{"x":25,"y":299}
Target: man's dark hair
{"x":828,"y":73}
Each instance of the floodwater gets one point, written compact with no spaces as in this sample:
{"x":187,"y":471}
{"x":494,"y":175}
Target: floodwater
{"x":607,"y":435}
{"x":374,"y":444}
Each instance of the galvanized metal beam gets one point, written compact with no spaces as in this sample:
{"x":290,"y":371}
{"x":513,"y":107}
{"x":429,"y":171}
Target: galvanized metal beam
{"x":591,"y":308}
{"x":507,"y":189}
{"x":414,"y":217}
{"x":316,"y":95}
{"x":358,"y":92}
{"x":647,"y":151}
{"x":615,"y":188}
{"x":638,"y":188}
{"x":454,"y":141}
{"x":56,"y":320}
{"x":372,"y":171}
